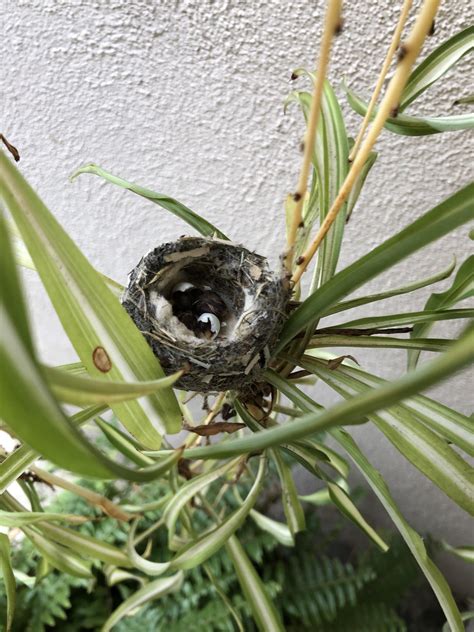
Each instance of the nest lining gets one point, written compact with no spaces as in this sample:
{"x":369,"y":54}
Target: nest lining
{"x":231,"y":283}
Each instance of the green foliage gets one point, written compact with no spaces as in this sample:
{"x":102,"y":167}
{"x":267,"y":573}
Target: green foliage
{"x":188,"y":507}
{"x":313,"y":590}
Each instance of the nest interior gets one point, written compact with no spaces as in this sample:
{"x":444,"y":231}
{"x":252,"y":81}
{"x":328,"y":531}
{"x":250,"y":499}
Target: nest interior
{"x":211,"y":306}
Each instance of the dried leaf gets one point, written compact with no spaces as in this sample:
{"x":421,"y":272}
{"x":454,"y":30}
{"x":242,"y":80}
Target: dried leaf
{"x":215,"y":428}
{"x":335,"y":362}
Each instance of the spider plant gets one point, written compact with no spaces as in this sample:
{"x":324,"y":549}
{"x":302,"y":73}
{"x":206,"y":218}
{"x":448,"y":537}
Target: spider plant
{"x":57,"y":413}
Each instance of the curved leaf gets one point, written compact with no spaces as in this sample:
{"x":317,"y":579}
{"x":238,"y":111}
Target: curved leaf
{"x":415,"y":125}
{"x":173,"y":206}
{"x":459,"y":355}
{"x":20,"y":459}
{"x":279,"y":530}
{"x":453,"y":212}
{"x":411,"y":537}
{"x":409,"y":318}
{"x":104,"y":336}
{"x":445,"y":421}
{"x":262,"y":608}
{"x":437,"y":64}
{"x":82,"y":391}
{"x":380,"y":296}
{"x":289,"y":496}
{"x":461,"y":288}
{"x":149,"y":592}
{"x":187,"y":491}
{"x":422,"y":447}
{"x":8,"y":579}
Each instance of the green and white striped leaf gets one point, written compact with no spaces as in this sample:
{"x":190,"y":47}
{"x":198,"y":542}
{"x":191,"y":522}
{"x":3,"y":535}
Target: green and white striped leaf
{"x":289,"y":496}
{"x":381,"y":296}
{"x":8,"y":579}
{"x":53,"y":435}
{"x":201,"y":225}
{"x":409,"y":318}
{"x":415,"y":125}
{"x":343,"y":502}
{"x":421,"y":446}
{"x":65,"y":539}
{"x":359,"y":182}
{"x":322,"y":497}
{"x":59,"y":556}
{"x":105,"y":338}
{"x":279,"y":530}
{"x":433,"y":67}
{"x":330,"y":163}
{"x":187,"y":491}
{"x":413,"y":540}
{"x":154,"y":590}
{"x":445,"y":421}
{"x":466,"y":553}
{"x":20,"y":459}
{"x":263,"y":609}
{"x":461,"y":288}
{"x":451,"y":213}
{"x":459,"y":355}
{"x":381,"y":342}
{"x":83,"y":391}
{"x":21,"y":518}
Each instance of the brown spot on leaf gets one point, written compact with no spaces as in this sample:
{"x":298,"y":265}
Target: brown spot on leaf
{"x":101,"y":360}
{"x":297,"y":196}
{"x":300,"y":260}
{"x":432,"y":28}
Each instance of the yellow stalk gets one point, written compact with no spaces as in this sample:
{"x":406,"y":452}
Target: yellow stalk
{"x":331,"y":26}
{"x":383,"y":73}
{"x":388,"y":107}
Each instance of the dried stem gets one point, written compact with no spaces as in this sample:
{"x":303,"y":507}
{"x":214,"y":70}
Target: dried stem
{"x":107,"y":506}
{"x":331,"y":25}
{"x":388,"y":106}
{"x":383,"y":73}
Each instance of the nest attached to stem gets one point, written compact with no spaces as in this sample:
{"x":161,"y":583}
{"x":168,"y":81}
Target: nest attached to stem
{"x":249,"y":301}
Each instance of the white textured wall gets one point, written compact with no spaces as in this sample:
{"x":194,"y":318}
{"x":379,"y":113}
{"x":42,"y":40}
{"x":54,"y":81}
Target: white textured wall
{"x":186,"y":97}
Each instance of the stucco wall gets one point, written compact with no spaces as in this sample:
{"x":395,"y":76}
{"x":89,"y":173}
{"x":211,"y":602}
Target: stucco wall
{"x":186,"y":97}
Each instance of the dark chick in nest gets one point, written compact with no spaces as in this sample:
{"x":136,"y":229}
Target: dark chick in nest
{"x":201,"y":310}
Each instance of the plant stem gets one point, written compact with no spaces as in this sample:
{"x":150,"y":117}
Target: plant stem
{"x":332,"y":20}
{"x":383,"y":73}
{"x":388,"y":107}
{"x":107,"y":506}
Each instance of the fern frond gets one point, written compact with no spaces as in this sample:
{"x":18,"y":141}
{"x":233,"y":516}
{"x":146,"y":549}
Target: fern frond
{"x":367,"y":617}
{"x":317,"y":588}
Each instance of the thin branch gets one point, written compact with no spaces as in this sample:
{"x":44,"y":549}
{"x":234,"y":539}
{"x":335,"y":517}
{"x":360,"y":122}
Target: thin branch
{"x":331,"y":27}
{"x":383,"y":73}
{"x":107,"y":506}
{"x":388,"y":107}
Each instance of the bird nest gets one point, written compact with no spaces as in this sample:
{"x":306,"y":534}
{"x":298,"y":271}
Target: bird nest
{"x":209,"y":306}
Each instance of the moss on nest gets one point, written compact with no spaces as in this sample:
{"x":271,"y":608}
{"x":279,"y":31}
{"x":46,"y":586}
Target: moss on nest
{"x":252,"y":304}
